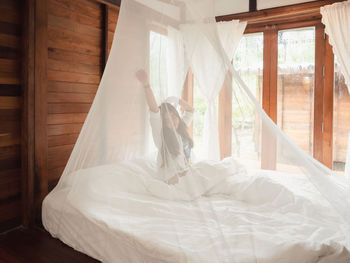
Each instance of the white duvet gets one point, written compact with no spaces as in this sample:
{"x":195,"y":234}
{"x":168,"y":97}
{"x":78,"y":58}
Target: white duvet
{"x":230,"y":216}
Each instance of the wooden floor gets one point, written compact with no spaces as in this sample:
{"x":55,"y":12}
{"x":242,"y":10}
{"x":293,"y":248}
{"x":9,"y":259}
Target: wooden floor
{"x":37,"y":246}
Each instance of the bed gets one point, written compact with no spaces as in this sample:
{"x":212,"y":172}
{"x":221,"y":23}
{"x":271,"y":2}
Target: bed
{"x":260,"y":216}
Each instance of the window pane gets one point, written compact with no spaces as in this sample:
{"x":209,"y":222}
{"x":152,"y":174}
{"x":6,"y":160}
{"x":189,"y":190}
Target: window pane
{"x":200,"y":105}
{"x":295,"y":85}
{"x":341,"y":119}
{"x":158,"y":64}
{"x":248,"y":61}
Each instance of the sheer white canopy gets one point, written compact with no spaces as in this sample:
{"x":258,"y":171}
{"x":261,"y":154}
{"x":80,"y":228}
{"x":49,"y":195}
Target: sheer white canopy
{"x":131,"y":174}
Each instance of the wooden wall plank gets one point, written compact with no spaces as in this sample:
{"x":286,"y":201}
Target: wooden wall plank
{"x":61,"y":129}
{"x":10,"y":103}
{"x":9,"y":139}
{"x":66,"y":118}
{"x":65,"y":139}
{"x":73,"y":77}
{"x":7,"y":40}
{"x":73,"y":57}
{"x":55,"y":174}
{"x":10,"y":210}
{"x":58,"y":155}
{"x":56,"y":9}
{"x":70,"y":97}
{"x":71,"y":87}
{"x":74,"y":26}
{"x":58,"y":65}
{"x":69,"y":108}
{"x":82,"y":7}
{"x":9,"y":15}
{"x":12,"y":90}
{"x":9,"y":65}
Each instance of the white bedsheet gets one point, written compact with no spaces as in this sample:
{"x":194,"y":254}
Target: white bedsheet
{"x":254,"y":217}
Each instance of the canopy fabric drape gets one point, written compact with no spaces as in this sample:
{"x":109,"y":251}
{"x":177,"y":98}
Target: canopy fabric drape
{"x":131,"y":171}
{"x":336,"y":18}
{"x":205,"y":59}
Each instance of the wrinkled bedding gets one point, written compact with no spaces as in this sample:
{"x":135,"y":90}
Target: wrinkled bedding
{"x":124,"y":213}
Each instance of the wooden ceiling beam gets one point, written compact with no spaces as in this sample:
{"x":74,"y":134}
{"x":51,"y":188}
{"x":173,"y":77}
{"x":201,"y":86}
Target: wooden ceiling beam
{"x":118,"y":2}
{"x":110,"y":2}
{"x":266,"y":16}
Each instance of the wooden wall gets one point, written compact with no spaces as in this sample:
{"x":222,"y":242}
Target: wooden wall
{"x":77,"y":33}
{"x":76,"y":46}
{"x":10,"y":114}
{"x":74,"y":69}
{"x":43,"y":105}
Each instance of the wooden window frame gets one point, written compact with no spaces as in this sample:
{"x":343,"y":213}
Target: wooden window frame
{"x":269,"y":22}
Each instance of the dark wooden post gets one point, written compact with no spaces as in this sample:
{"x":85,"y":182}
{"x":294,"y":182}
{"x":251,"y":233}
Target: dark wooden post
{"x":252,"y":5}
{"x":27,"y":141}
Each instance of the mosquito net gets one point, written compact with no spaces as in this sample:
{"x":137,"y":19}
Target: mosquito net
{"x":136,"y":156}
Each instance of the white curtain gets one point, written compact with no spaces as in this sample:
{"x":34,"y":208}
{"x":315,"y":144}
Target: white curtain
{"x":336,"y":19}
{"x":176,"y":65}
{"x":204,"y":59}
{"x":230,"y":33}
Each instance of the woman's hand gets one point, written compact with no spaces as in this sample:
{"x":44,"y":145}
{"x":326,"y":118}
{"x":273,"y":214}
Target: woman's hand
{"x":173,"y":180}
{"x":185,"y":106}
{"x":142,"y":76}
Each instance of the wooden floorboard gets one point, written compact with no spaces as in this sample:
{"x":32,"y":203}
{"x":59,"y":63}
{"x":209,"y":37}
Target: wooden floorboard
{"x":37,"y":246}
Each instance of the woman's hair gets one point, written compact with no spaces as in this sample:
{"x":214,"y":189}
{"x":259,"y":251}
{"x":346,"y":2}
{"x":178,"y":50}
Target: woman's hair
{"x":171,"y":144}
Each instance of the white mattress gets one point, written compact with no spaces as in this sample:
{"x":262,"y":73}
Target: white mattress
{"x":219,"y":228}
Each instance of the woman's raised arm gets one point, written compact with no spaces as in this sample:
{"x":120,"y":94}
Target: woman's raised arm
{"x":185,"y":106}
{"x":141,"y":75}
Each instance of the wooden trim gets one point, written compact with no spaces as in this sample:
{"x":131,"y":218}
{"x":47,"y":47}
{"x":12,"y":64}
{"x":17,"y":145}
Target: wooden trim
{"x":41,"y":57}
{"x":328,"y":94}
{"x":225,"y":118}
{"x":277,"y":14}
{"x":27,"y":138}
{"x":318,"y":93}
{"x":110,"y":2}
{"x":283,"y":25}
{"x":269,"y":100}
{"x":270,"y":72}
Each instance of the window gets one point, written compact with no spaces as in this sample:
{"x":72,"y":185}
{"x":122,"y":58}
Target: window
{"x":158,"y":63}
{"x":295,"y":85}
{"x":295,"y":88}
{"x":248,"y":61}
{"x":198,"y":119}
{"x":200,"y":105}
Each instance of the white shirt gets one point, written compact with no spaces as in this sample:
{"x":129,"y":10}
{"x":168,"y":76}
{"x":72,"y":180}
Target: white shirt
{"x":179,"y":163}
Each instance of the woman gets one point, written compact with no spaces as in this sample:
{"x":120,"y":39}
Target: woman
{"x":169,"y":132}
